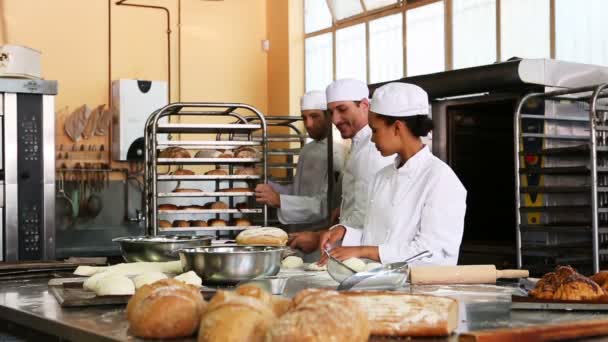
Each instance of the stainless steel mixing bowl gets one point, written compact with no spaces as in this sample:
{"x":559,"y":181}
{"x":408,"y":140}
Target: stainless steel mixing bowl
{"x":158,"y":248}
{"x":231,"y":264}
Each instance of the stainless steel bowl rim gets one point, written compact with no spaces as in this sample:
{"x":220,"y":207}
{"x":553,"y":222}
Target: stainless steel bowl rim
{"x":239,"y":250}
{"x":161,"y":239}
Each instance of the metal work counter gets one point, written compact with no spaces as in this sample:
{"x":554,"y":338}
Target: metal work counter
{"x":29,"y":305}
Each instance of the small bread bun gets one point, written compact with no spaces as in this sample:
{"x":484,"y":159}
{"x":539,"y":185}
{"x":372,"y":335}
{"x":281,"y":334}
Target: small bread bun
{"x":218,"y":205}
{"x":174,"y":152}
{"x":216,"y":223}
{"x":217,"y":172}
{"x":226,"y":154}
{"x":241,"y":222}
{"x":269,"y":236}
{"x":183,"y":172}
{"x":246,"y":171}
{"x":187,"y":190}
{"x":181,"y":224}
{"x":164,"y":224}
{"x":198,"y":223}
{"x":236,"y":190}
{"x":246,"y":152}
{"x":167,"y":207}
{"x":207,"y":154}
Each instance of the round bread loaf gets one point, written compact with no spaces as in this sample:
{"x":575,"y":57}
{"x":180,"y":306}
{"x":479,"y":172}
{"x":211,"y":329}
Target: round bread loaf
{"x":246,"y":171}
{"x":246,"y":152}
{"x":174,"y":152}
{"x":187,"y":190}
{"x":218,"y":205}
{"x":197,"y":223}
{"x":217,"y":172}
{"x":242,"y":222}
{"x":216,"y":223}
{"x":181,"y":224}
{"x":183,"y":172}
{"x":165,"y":309}
{"x":226,"y":154}
{"x":164,"y":224}
{"x":268,"y":236}
{"x":167,"y":207}
{"x":207,"y":154}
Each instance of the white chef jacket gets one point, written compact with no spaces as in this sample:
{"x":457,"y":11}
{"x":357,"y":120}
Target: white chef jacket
{"x":305,"y":201}
{"x":417,"y":207}
{"x":362,"y":165}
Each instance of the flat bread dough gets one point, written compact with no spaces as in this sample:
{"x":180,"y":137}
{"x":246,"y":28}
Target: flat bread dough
{"x":115,"y":285}
{"x":190,"y":278}
{"x":356,"y":264}
{"x":148,"y":278}
{"x":292,"y":262}
{"x":88,"y":271}
{"x":313,"y":266}
{"x":91,"y":283}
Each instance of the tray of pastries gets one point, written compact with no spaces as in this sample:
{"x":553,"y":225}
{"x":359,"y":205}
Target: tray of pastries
{"x":566,"y":289}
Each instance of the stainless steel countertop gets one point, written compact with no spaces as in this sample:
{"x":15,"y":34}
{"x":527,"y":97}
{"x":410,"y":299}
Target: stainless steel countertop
{"x":30,"y":304}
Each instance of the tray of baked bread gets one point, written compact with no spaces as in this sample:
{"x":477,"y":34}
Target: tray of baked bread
{"x":566,"y":289}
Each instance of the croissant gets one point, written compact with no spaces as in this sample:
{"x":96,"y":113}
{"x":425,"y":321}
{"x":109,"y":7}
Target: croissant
{"x":546,"y":286}
{"x":578,"y":287}
{"x":601,"y":278}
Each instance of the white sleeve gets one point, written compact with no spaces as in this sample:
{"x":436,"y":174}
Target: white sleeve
{"x":302,"y":209}
{"x":352,"y":237}
{"x":441,"y":227}
{"x":282,"y":189}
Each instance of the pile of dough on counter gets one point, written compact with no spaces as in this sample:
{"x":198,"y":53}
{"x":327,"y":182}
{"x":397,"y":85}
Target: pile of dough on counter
{"x":566,"y":284}
{"x":170,"y":309}
{"x":124,"y":279}
{"x":266,"y":236}
{"x":354,"y":263}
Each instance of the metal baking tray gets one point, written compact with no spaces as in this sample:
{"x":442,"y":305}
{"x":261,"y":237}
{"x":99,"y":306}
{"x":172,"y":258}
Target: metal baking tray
{"x":528,"y":303}
{"x":168,"y":161}
{"x":193,"y":144}
{"x":206,"y":177}
{"x":205,"y":194}
{"x":200,"y":229}
{"x":210,"y":211}
{"x":207,"y":128}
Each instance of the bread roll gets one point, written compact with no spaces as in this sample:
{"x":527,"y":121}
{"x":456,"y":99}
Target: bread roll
{"x":187,"y":190}
{"x":321,"y":317}
{"x":183,"y":172}
{"x":246,"y":171}
{"x":242,"y":222}
{"x":198,"y":223}
{"x":236,"y":190}
{"x":207,"y":154}
{"x":232,"y":317}
{"x":164,"y":224}
{"x":400,"y":314}
{"x":292,"y":261}
{"x":226,"y":154}
{"x":165,"y":309}
{"x":218,"y":205}
{"x":181,"y":224}
{"x":241,"y":205}
{"x":216,"y":223}
{"x":280,"y":305}
{"x":217,"y":172}
{"x":268,"y":236}
{"x":174,"y":152}
{"x":246,"y":152}
{"x":167,"y":207}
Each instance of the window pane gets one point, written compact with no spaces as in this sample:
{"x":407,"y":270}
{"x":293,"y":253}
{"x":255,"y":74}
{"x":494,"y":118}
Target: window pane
{"x":319,"y":63}
{"x":425,"y":39}
{"x":386,"y":48}
{"x":373,"y":4}
{"x":316,"y":15}
{"x":346,"y":8}
{"x":580,"y":31}
{"x":350,"y":52}
{"x":524,"y":29}
{"x":474,"y":32}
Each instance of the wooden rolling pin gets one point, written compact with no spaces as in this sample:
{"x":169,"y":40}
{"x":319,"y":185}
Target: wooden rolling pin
{"x":470,"y":274}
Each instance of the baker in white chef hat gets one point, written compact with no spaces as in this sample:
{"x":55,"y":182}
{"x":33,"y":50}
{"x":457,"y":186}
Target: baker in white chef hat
{"x":348,"y":103}
{"x":415,"y":204}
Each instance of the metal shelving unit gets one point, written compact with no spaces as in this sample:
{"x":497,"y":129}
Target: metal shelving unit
{"x":207,"y":187}
{"x":561,"y":189}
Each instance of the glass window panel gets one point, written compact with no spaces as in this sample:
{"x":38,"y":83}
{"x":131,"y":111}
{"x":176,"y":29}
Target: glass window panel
{"x":346,"y":8}
{"x":386,"y":48}
{"x":580,"y":31}
{"x":350,"y":53}
{"x":373,"y":4}
{"x":319,"y":62}
{"x":474,"y":32}
{"x":524,"y":29}
{"x":316,"y":15}
{"x":425,"y":39}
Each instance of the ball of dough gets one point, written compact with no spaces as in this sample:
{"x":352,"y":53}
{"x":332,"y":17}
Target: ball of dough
{"x":372,"y":265}
{"x":89,"y":270}
{"x":190,"y":278}
{"x":316,"y":267}
{"x":148,"y":278}
{"x":115,"y":285}
{"x":91,"y":282}
{"x":292,"y":262}
{"x":356,"y":264}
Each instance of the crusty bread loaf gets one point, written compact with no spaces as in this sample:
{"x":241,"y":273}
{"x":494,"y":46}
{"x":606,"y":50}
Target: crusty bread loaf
{"x":269,"y":236}
{"x":216,"y":223}
{"x":256,"y":292}
{"x":164,"y":224}
{"x":320,"y":317}
{"x":232,"y":317}
{"x":181,"y":224}
{"x":280,"y":305}
{"x":236,"y":190}
{"x":183,"y":172}
{"x":174,"y":152}
{"x":167,"y":308}
{"x":241,"y":222}
{"x":187,"y":190}
{"x":246,"y":171}
{"x":401,"y":314}
{"x":217,"y":172}
{"x":167,"y":207}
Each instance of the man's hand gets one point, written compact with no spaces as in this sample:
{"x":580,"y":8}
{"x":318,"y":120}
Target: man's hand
{"x":265,"y":194}
{"x":307,"y":242}
{"x":343,"y":253}
{"x":328,"y":239}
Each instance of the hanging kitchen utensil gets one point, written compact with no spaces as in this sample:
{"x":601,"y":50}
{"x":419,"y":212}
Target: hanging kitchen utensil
{"x":92,"y":122}
{"x":103,"y":126}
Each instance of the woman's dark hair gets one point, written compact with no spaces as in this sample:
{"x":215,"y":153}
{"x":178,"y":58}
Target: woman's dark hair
{"x":419,"y":125}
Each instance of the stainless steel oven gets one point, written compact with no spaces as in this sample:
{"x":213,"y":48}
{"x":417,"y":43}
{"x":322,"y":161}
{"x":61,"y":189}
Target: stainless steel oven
{"x":27,"y":169}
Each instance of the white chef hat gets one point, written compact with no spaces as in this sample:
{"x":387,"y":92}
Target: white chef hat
{"x":313,"y":100}
{"x":346,"y":89}
{"x":400,"y":99}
